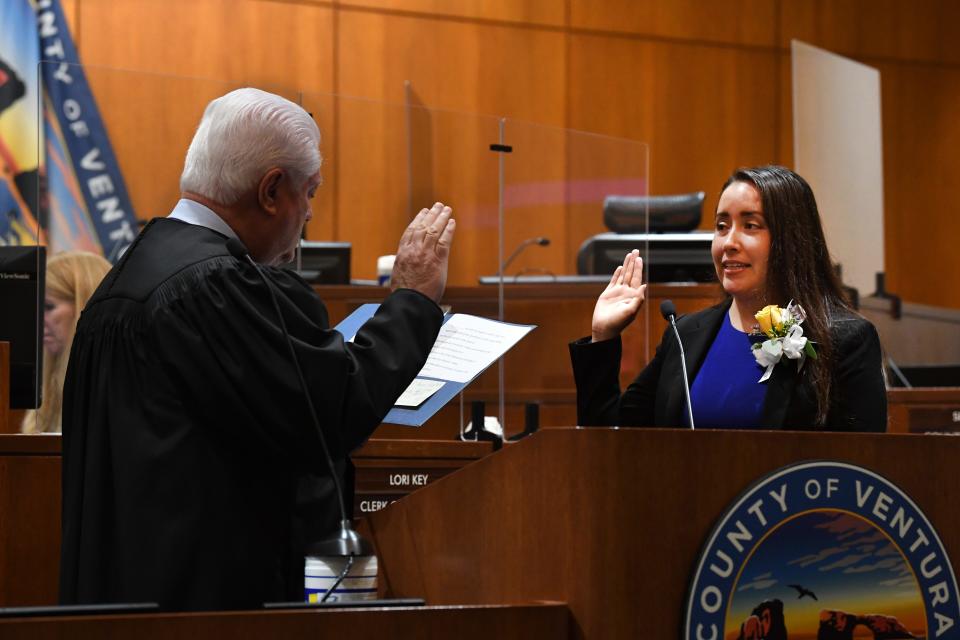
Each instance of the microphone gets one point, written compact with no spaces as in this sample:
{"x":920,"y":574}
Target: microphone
{"x":543,"y":241}
{"x":346,"y":542}
{"x":669,"y":312}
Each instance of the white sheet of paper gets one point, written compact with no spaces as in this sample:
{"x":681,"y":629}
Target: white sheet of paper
{"x":418,"y":391}
{"x":469,"y":344}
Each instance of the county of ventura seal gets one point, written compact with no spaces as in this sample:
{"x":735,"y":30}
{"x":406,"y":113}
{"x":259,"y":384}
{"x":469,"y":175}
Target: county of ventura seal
{"x":822,"y":550}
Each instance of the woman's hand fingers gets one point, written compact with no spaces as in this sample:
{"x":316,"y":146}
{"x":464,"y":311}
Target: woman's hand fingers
{"x":629,"y":263}
{"x":616,"y":275}
{"x":636,"y":278}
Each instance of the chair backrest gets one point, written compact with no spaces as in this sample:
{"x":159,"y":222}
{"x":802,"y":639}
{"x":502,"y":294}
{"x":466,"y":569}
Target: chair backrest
{"x":628,"y":214}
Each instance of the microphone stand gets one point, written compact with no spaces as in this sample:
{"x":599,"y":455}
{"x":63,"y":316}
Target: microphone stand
{"x":346,"y":542}
{"x":669,"y":312}
{"x":543,"y":241}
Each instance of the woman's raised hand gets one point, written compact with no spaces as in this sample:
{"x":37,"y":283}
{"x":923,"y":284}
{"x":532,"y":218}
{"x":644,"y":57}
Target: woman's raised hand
{"x":619,"y":303}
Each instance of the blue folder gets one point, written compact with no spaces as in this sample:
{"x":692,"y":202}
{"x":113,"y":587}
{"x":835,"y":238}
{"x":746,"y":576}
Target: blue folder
{"x":398,"y":415}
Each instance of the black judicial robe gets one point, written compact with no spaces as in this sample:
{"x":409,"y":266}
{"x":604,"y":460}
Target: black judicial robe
{"x":185,"y":430}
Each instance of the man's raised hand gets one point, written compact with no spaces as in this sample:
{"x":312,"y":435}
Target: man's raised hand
{"x":423,"y":253}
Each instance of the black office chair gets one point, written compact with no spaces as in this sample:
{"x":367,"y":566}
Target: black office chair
{"x":662,"y":227}
{"x":629,"y":214}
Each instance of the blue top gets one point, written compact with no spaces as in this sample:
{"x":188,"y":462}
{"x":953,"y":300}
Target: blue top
{"x":725,"y":394}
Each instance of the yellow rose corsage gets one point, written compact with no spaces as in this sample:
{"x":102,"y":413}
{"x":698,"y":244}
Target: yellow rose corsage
{"x":785,"y":337}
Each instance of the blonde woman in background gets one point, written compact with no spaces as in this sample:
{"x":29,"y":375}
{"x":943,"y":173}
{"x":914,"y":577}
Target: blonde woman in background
{"x":72,"y":277}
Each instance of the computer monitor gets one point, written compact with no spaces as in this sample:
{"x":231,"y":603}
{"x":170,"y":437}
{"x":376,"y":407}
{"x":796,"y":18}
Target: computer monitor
{"x":323,"y":262}
{"x":668,"y":257}
{"x":22,"y":271}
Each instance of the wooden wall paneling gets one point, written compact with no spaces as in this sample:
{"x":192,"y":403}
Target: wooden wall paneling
{"x":784,"y":152}
{"x":703,"y":110}
{"x":923,"y":30}
{"x":748,"y":22}
{"x":472,"y":67}
{"x":921,"y":138}
{"x":151,"y":114}
{"x":543,"y":12}
{"x":453,"y":164}
{"x":454,"y":68}
{"x":151,"y":119}
{"x":260,"y":42}
{"x":323,"y":107}
{"x":537,"y":199}
{"x":598,"y":166}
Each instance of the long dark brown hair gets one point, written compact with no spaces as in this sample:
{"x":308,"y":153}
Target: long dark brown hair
{"x":799,"y":267}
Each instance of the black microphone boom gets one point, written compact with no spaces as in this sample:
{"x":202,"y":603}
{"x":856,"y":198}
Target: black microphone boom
{"x":669,"y":312}
{"x":346,"y":542}
{"x":542,"y":241}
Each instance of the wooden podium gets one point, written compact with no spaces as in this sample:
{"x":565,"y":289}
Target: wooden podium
{"x":611,"y":521}
{"x":581,"y":533}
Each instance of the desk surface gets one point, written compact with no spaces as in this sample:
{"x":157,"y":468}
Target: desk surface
{"x":509,"y":622}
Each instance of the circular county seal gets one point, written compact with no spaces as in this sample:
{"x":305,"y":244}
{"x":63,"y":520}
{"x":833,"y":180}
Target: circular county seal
{"x":823,"y":550}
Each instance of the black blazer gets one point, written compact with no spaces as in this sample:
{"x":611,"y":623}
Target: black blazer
{"x":858,"y":400}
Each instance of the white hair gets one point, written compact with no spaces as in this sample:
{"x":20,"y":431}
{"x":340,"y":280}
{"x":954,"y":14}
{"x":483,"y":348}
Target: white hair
{"x":241,"y":136}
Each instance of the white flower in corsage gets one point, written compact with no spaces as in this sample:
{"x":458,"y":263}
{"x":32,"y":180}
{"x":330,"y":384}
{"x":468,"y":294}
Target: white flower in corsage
{"x":785,"y":337}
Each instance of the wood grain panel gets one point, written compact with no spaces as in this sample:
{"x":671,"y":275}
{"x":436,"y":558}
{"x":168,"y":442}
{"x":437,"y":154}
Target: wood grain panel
{"x":924,"y":410}
{"x":921,"y":135}
{"x":654,"y":76}
{"x":545,"y":12}
{"x":785,"y":110}
{"x":748,"y":22}
{"x":151,"y":119}
{"x":462,"y":67}
{"x":373,"y":184}
{"x":470,"y":67}
{"x":259,"y":42}
{"x":703,"y":110}
{"x":151,"y":114}
{"x":922,"y":30}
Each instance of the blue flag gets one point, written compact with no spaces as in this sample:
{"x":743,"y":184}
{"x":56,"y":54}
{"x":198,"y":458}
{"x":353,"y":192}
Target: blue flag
{"x":76,"y":189}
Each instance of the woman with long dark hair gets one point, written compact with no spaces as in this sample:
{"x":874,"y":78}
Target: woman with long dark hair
{"x":784,"y":350}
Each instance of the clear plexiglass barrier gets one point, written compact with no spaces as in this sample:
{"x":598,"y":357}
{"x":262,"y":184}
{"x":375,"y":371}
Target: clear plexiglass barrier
{"x":528,"y":200}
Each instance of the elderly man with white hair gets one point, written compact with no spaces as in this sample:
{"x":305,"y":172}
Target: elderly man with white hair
{"x":185,"y":426}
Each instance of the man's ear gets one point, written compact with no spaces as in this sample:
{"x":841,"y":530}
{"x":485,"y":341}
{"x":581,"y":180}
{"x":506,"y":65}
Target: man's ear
{"x":269,"y":188}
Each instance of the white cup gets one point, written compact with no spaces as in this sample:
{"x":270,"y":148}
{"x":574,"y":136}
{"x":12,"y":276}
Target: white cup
{"x":385,"y":270}
{"x":320,"y":573}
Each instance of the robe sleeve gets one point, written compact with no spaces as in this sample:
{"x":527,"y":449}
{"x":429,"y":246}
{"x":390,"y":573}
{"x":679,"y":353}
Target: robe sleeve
{"x":221,"y":339}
